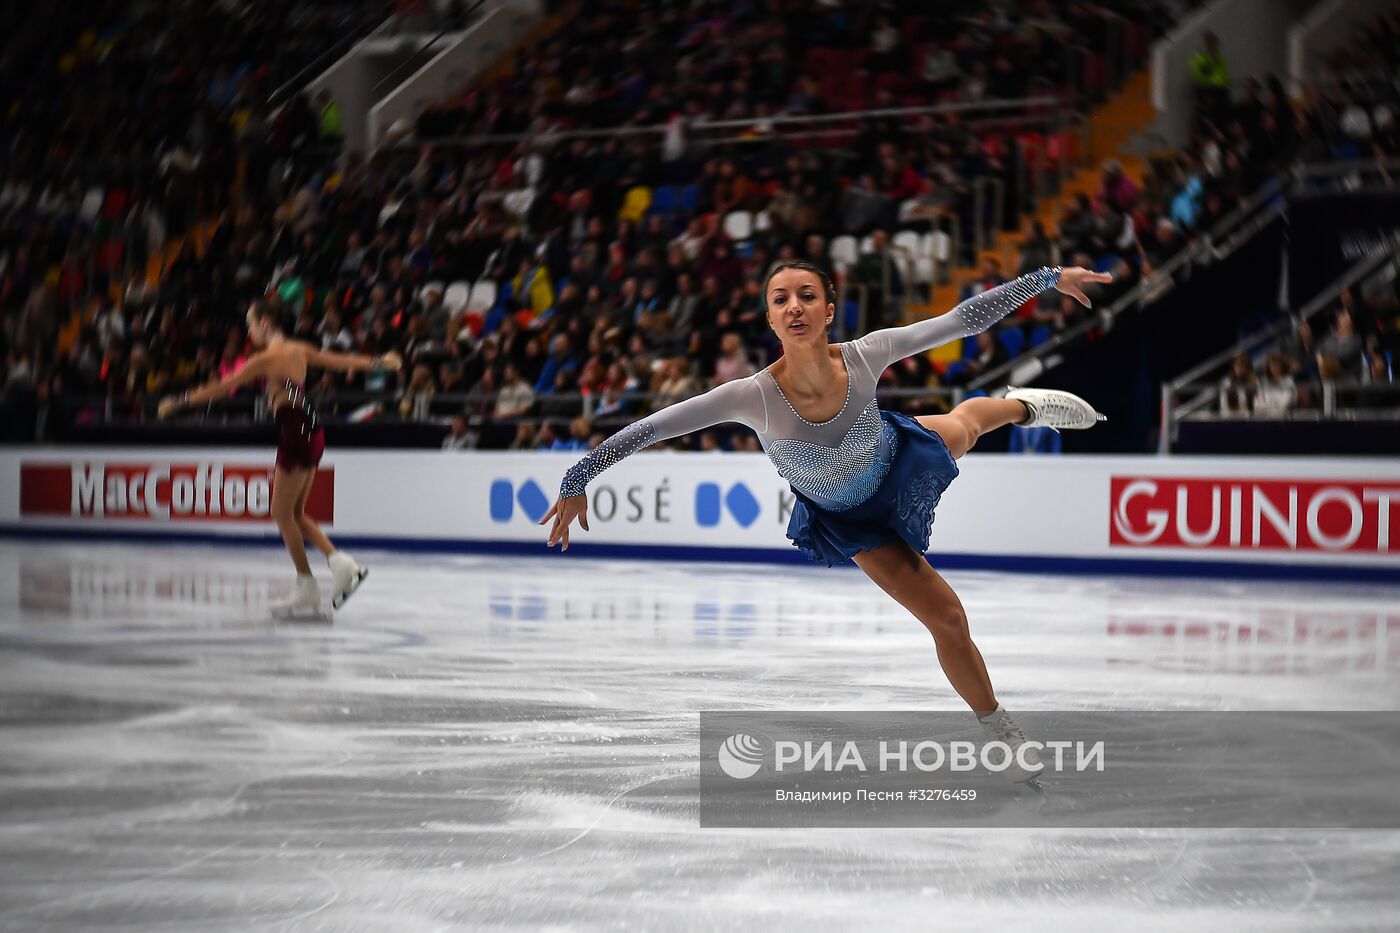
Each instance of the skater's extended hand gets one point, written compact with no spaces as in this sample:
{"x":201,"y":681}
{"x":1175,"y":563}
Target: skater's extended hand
{"x":1073,"y":280}
{"x":564,"y":510}
{"x":391,"y":361}
{"x":167,"y":407}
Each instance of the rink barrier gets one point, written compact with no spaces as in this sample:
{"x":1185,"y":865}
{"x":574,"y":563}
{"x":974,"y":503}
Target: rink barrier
{"x":1013,"y":563}
{"x":1199,"y":516}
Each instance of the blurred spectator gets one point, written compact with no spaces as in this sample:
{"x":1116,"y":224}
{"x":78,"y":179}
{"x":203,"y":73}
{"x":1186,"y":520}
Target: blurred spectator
{"x":1210,"y":78}
{"x":988,"y":355}
{"x":420,"y":390}
{"x":1276,"y":393}
{"x":560,"y":358}
{"x":1342,"y":344}
{"x":878,"y":274}
{"x":1160,"y":244}
{"x":579,"y":431}
{"x":1238,"y":388}
{"x":674,"y":382}
{"x":1117,"y":192}
{"x":458,"y":437}
{"x":988,"y":277}
{"x":1037,"y":249}
{"x":515,"y":397}
{"x":332,"y":119}
{"x":733,"y":362}
{"x":524,"y":436}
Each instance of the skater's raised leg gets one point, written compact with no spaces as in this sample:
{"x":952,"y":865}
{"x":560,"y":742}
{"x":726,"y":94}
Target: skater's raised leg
{"x":1051,"y":408}
{"x":962,"y":426}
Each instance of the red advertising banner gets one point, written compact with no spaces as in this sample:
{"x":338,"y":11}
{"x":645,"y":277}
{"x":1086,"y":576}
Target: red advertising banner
{"x":162,"y":492}
{"x":1253,"y":514}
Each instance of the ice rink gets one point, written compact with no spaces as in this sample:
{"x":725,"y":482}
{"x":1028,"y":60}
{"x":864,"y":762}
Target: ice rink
{"x":511,"y":743}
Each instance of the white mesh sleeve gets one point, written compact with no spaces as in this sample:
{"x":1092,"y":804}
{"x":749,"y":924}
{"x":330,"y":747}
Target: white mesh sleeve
{"x":740,"y":400}
{"x":882,"y":347}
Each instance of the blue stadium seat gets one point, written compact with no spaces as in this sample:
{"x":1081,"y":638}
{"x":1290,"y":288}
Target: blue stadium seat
{"x":1041,"y":334}
{"x":690,"y":197}
{"x":664,"y":200}
{"x":1012,"y":340}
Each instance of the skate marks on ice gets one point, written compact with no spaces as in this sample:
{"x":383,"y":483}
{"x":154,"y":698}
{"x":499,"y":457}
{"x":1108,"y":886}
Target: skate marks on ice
{"x":512,"y":744}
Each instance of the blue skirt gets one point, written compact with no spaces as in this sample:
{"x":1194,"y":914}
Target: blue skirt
{"x":901,"y":506}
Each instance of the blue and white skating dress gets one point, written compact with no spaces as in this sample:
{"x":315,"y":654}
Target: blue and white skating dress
{"x":866,"y":476}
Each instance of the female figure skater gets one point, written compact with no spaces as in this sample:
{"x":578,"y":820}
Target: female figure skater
{"x":867,"y":481}
{"x":282,"y":364}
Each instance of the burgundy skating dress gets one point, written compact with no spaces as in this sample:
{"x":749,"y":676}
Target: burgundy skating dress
{"x":300,"y":439}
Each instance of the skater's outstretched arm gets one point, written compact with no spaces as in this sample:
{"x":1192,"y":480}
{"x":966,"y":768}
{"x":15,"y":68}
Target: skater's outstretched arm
{"x":883,"y":347}
{"x":219,"y":388}
{"x":350,"y":362}
{"x":740,"y":400}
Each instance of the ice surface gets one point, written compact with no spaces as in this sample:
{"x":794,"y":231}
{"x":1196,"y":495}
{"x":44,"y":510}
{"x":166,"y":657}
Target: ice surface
{"x":511,"y":743}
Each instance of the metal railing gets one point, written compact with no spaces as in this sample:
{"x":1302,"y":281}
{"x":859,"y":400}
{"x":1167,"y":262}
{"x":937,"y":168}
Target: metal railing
{"x":1189,"y":396}
{"x":782,"y":125}
{"x":1364,"y":86}
{"x":1330,"y":400}
{"x":1230,"y":233}
{"x":1358,"y":176}
{"x":329,"y":54}
{"x":601,"y":408}
{"x":409,"y":65}
{"x":1029,"y":365}
{"x":984,"y":234}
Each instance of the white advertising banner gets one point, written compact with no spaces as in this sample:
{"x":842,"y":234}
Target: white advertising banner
{"x":1032,"y":512}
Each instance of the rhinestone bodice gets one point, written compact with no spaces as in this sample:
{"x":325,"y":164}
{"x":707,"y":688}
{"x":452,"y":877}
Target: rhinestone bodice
{"x":843,"y":476}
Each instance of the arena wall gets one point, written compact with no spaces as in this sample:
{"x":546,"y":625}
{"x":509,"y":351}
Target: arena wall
{"x":1336,"y":517}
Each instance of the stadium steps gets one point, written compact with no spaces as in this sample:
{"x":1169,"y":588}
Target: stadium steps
{"x":1114,"y":126}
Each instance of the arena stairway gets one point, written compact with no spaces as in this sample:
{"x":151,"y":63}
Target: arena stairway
{"x":1113,"y":126}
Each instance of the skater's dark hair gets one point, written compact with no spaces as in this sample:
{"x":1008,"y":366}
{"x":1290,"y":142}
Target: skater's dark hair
{"x":262,"y":311}
{"x":803,"y":266}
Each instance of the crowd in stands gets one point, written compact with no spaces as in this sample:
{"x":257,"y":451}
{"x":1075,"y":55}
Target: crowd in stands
{"x":627,"y":65}
{"x":1357,"y":348}
{"x":598,"y":267}
{"x":1352,"y":116}
{"x":124,"y":125}
{"x":596,"y":291}
{"x":1131,"y":228}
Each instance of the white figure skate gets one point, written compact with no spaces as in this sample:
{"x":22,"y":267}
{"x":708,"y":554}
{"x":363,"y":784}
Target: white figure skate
{"x":304,"y":605}
{"x":1000,"y":727}
{"x":1051,"y":408}
{"x":346,"y":576}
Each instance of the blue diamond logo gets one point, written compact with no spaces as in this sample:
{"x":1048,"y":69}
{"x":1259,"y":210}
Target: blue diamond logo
{"x":742,"y":505}
{"x":709,"y":506}
{"x":533,"y":501}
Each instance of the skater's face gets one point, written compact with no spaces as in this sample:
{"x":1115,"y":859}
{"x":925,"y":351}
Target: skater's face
{"x":258,"y":329}
{"x":797,"y":306}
